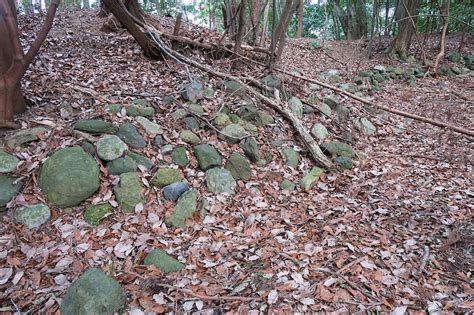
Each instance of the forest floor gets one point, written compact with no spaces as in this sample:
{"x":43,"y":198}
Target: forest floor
{"x":394,"y":233}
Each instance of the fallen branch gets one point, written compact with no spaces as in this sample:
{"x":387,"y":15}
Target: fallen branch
{"x":155,"y":285}
{"x":390,"y":110}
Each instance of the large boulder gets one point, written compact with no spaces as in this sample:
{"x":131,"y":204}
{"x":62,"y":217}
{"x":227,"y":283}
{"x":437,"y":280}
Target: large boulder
{"x":8,"y":162}
{"x":129,"y":193}
{"x":220,"y":180}
{"x":8,"y":189}
{"x":95,"y":126}
{"x":207,"y":156}
{"x":94,"y":292}
{"x":110,"y":148}
{"x":161,"y":260}
{"x":33,"y":216}
{"x":183,"y":210}
{"x":68,"y":177}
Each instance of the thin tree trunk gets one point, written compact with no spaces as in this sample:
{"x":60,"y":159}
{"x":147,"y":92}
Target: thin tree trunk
{"x":265,"y":24}
{"x":445,"y":12}
{"x":387,"y":11}
{"x":299,"y":32}
{"x":401,"y":43}
{"x":240,"y":32}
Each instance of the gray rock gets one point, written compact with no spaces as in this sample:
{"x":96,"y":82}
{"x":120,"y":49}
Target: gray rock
{"x":8,"y":190}
{"x":161,"y":260}
{"x":167,"y":148}
{"x":193,"y":91}
{"x":337,"y":148}
{"x":33,"y":216}
{"x":189,"y":137}
{"x":319,"y":131}
{"x":122,"y":165}
{"x":165,"y":176}
{"x":331,"y":101}
{"x":196,"y":109}
{"x":88,"y":147}
{"x":272,"y":81}
{"x":344,"y":162}
{"x":365,"y":126}
{"x":24,"y":136}
{"x":110,"y":148}
{"x":129,"y":192}
{"x":207,"y":156}
{"x":251,"y":149}
{"x":235,"y":88}
{"x":93,"y":293}
{"x":233,"y":133}
{"x":129,"y":134}
{"x":158,"y":140}
{"x":342,"y":113}
{"x":455,"y":57}
{"x":291,"y":157}
{"x":95,"y":126}
{"x":310,"y":179}
{"x":66,"y":111}
{"x":174,"y":191}
{"x":183,"y":210}
{"x":180,"y":113}
{"x":141,"y":102}
{"x":296,"y":106}
{"x":325,"y":109}
{"x":8,"y":162}
{"x":380,"y":68}
{"x":68,"y":177}
{"x":220,"y":180}
{"x":191,"y":123}
{"x":150,"y":127}
{"x":239,"y":167}
{"x":180,"y":156}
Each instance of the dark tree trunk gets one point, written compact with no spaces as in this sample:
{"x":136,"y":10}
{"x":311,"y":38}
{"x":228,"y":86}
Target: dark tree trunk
{"x":353,"y":20}
{"x":13,"y":61}
{"x":240,"y":32}
{"x":299,"y":32}
{"x":131,"y":21}
{"x":407,"y":11}
{"x":279,"y":34}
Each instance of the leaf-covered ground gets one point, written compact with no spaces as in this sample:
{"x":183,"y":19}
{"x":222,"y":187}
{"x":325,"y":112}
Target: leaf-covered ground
{"x":393,"y":233}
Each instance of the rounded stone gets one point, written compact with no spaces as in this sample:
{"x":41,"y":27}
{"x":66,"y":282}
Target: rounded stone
{"x":68,"y":177}
{"x":110,"y":148}
{"x":33,"y":216}
{"x":8,"y":162}
{"x":220,"y":180}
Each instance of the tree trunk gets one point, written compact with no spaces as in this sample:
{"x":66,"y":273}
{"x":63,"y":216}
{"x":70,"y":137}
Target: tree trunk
{"x":265,"y":24}
{"x":240,"y":31}
{"x":387,"y":11}
{"x":279,"y":34}
{"x":445,"y":12}
{"x":13,"y":61}
{"x":299,"y":32}
{"x":120,"y":11}
{"x":86,"y":4}
{"x":407,"y":10}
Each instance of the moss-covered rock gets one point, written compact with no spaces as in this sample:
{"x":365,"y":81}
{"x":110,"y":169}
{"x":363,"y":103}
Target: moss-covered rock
{"x":161,"y":260}
{"x":239,"y":167}
{"x":122,"y":165}
{"x":183,"y":210}
{"x":165,"y":176}
{"x":96,"y":213}
{"x":95,"y":126}
{"x":8,"y":189}
{"x":33,"y":216}
{"x":207,"y":156}
{"x":68,"y":177}
{"x":93,"y":293}
{"x":129,"y":192}
{"x":310,"y":179}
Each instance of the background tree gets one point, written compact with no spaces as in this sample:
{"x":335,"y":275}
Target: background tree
{"x":14,"y":62}
{"x":407,"y":16}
